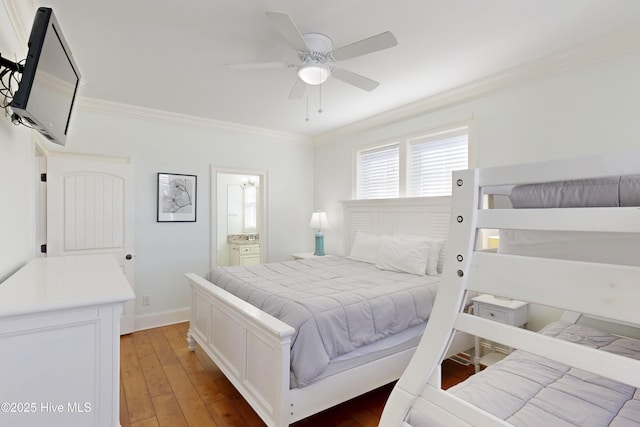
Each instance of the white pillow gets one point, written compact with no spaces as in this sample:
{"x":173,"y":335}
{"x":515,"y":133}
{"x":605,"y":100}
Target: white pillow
{"x":403,"y":255}
{"x":365,"y":247}
{"x":435,"y":250}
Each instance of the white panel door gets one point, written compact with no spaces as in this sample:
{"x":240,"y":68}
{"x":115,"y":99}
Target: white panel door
{"x":89,"y":211}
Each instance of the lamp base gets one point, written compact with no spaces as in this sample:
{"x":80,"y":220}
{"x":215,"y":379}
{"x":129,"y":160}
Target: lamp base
{"x":319,"y":245}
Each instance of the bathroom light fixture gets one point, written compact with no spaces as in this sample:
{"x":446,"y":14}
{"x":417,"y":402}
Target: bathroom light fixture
{"x":319,"y":221}
{"x":314,"y":73}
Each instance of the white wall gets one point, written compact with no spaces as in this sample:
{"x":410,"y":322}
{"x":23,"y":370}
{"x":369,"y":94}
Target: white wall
{"x":17,"y":214}
{"x":17,"y":175}
{"x":165,"y":251}
{"x":589,"y":110}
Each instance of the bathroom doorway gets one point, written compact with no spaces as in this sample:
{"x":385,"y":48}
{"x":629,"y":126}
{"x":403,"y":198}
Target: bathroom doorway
{"x":238,"y":212}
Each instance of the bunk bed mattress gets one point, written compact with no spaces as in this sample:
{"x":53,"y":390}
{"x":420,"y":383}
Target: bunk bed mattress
{"x":529,"y":390}
{"x":336,"y":305}
{"x":598,"y":192}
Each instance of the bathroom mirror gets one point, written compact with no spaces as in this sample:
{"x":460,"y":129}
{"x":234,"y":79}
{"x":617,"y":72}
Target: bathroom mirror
{"x":250,"y":207}
{"x":242,"y":208}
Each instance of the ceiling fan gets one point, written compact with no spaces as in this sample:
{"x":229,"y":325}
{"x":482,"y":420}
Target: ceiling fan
{"x":318,"y":58}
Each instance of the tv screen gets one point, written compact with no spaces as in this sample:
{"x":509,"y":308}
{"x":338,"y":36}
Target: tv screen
{"x":49,"y":82}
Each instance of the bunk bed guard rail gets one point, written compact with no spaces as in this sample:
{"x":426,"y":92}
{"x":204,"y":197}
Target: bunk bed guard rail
{"x":606,"y":290}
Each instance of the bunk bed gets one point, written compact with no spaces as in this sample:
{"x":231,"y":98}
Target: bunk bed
{"x":569,"y":242}
{"x":258,"y":352}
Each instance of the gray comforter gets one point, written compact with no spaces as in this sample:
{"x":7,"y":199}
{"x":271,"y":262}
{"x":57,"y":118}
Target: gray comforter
{"x":528,"y":390}
{"x":335,"y":304}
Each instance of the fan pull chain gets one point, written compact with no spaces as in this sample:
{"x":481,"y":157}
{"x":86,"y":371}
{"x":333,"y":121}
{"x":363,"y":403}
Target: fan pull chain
{"x":307,"y":118}
{"x":320,"y":102}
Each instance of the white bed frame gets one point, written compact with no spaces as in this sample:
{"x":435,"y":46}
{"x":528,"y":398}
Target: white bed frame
{"x":606,"y":291}
{"x":252,"y":348}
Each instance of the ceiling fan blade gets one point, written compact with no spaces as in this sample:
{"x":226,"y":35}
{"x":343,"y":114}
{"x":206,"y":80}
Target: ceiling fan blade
{"x":355,"y":79}
{"x":289,"y":30}
{"x":298,"y":89}
{"x":258,"y":65}
{"x":372,"y":44}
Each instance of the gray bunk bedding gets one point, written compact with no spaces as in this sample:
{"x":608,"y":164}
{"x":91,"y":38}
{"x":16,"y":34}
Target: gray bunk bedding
{"x":335,"y":304}
{"x":528,"y":390}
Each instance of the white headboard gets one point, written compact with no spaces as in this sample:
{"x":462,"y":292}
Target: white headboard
{"x":426,"y":216}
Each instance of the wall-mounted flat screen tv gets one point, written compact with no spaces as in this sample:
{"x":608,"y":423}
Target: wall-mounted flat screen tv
{"x":49,"y":84}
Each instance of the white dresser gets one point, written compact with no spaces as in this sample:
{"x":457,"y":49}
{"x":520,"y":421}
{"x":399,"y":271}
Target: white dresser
{"x":60,"y":342}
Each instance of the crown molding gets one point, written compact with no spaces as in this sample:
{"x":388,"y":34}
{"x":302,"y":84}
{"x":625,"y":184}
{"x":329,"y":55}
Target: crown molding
{"x":614,"y":44}
{"x":21,"y":13}
{"x":165,"y":117}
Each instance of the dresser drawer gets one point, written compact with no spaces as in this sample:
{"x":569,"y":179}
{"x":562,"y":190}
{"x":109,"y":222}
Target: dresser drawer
{"x":493,"y":313}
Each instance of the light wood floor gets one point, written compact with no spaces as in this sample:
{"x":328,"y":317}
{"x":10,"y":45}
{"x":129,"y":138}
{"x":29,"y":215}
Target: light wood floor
{"x":162,"y":383}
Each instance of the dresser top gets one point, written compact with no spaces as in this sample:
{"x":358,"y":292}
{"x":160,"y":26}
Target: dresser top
{"x":58,"y":283}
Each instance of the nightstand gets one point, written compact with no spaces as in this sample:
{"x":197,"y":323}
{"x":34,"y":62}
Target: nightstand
{"x":511,"y":312}
{"x":305,"y":255}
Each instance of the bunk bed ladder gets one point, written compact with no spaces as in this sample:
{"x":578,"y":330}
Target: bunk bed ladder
{"x":441,"y":326}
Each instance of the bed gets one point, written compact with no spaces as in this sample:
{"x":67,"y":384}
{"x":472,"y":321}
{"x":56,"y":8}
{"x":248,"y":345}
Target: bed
{"x":569,"y":244}
{"x":259,"y":352}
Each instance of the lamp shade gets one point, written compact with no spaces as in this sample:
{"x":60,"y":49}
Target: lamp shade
{"x":319,"y":221}
{"x":314,"y":73}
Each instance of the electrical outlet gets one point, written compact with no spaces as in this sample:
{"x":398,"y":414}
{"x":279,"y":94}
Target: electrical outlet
{"x":146,"y":300}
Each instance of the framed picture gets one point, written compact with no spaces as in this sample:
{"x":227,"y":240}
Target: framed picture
{"x":176,"y":197}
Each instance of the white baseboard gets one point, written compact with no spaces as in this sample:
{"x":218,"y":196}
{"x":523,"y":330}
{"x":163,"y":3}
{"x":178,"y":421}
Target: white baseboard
{"x":163,"y":318}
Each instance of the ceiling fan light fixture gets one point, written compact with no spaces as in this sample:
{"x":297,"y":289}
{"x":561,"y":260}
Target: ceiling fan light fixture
{"x":314,"y":73}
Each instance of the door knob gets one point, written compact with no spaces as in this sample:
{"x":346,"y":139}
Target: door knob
{"x":128,"y":256}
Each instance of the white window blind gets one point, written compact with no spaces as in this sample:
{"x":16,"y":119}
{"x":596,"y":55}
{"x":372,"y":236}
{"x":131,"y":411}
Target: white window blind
{"x":378,"y":172}
{"x":431,"y":161}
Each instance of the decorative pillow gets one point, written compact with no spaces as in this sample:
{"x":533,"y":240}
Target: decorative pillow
{"x":435,"y":250}
{"x":403,"y":255}
{"x":365,"y":247}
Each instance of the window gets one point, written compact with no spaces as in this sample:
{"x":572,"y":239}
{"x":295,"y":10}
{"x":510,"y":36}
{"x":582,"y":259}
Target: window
{"x":377,"y":175}
{"x":431,"y":160}
{"x":415,"y":166}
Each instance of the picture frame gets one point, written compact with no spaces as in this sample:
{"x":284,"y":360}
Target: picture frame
{"x":177,"y":197}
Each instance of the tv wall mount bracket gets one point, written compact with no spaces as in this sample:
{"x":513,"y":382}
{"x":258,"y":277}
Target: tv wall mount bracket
{"x":8,"y":67}
{"x":13,"y":66}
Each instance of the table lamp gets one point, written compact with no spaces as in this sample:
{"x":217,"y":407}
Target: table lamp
{"x":319,"y":221}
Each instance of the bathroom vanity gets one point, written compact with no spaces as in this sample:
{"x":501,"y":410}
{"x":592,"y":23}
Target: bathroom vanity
{"x":244,"y":249}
